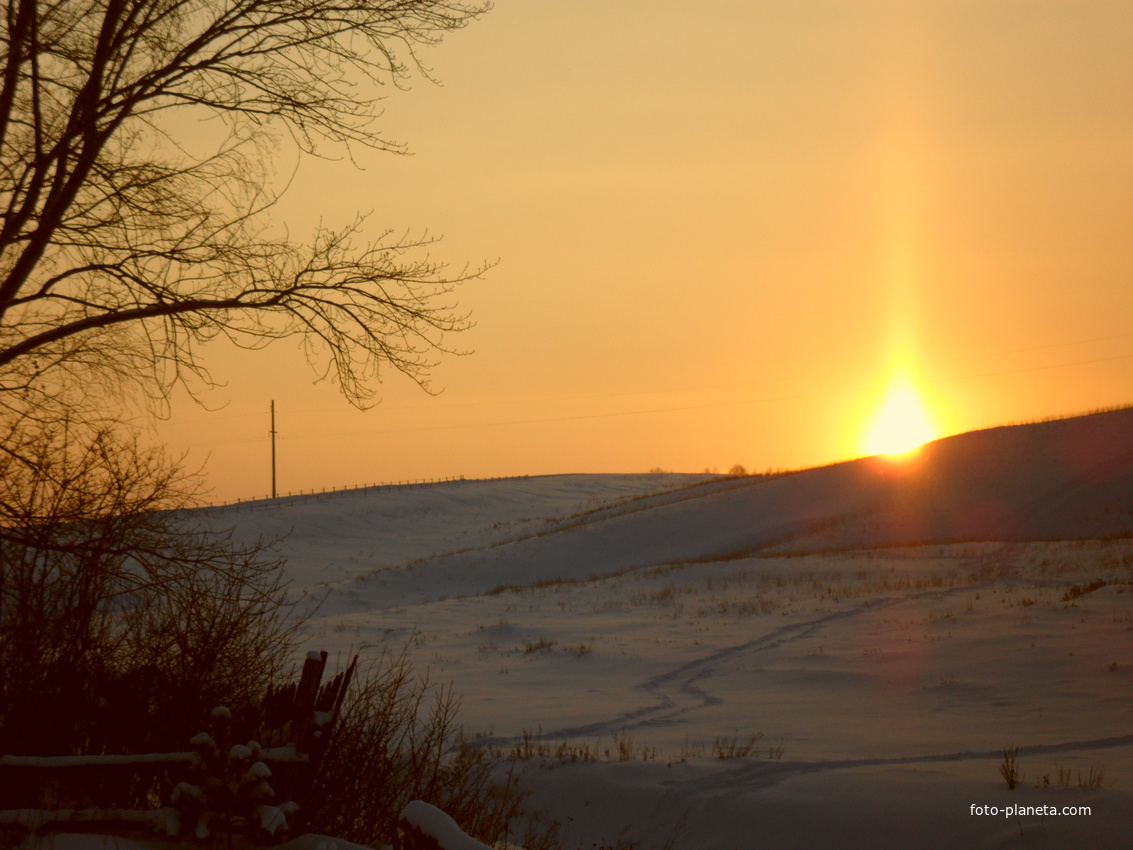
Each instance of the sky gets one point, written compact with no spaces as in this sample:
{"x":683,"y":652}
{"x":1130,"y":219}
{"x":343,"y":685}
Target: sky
{"x":723,"y":233}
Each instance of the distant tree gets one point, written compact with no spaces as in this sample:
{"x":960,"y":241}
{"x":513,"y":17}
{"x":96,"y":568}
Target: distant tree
{"x":738,"y":469}
{"x":126,"y":240}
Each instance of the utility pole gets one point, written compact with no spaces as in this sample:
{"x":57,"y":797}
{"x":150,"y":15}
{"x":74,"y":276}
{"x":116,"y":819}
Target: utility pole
{"x":273,"y":448}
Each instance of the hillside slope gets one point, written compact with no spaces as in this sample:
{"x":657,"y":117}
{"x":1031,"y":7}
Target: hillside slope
{"x":887,"y":682}
{"x":1063,"y":479}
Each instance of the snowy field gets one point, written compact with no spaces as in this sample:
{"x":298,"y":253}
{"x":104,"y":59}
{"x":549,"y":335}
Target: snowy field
{"x":811,"y":660}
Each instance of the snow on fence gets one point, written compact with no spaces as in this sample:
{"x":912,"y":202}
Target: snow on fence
{"x":226,"y":788}
{"x":425,"y":827}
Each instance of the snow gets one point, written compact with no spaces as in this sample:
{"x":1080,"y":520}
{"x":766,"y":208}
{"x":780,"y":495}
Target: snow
{"x":437,"y":825}
{"x":33,"y":819}
{"x":343,"y":536}
{"x":783,"y":805}
{"x":886,"y":677}
{"x":285,"y":753}
{"x":319,"y":842}
{"x":78,"y":841}
{"x":888,"y":626}
{"x":273,"y":819}
{"x":258,"y":771}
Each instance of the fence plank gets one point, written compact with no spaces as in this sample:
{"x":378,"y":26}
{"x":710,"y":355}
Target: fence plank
{"x":305,"y":697}
{"x":56,"y":762}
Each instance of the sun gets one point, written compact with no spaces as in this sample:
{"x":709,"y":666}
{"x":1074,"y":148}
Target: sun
{"x":901,"y":425}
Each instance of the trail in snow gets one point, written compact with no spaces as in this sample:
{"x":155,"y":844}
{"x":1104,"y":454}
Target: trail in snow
{"x":677,"y":692}
{"x":671,"y":689}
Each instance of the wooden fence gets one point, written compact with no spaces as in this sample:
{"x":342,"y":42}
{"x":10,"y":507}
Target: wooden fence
{"x":320,"y":493}
{"x":224,"y":784}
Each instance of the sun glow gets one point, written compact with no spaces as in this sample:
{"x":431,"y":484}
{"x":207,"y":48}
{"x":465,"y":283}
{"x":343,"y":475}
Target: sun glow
{"x":901,"y":425}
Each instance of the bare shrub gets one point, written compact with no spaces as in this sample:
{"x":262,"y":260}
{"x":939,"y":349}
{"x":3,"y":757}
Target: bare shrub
{"x":397,"y":740}
{"x":123,"y":618}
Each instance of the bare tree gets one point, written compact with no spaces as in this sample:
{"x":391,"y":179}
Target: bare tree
{"x":125,"y":243}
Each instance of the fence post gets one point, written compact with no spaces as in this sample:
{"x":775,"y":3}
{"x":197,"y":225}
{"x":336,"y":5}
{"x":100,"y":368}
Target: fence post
{"x":302,"y":716}
{"x":305,"y":697}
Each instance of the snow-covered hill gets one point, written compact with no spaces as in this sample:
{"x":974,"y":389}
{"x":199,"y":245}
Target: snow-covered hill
{"x":1063,"y":479}
{"x":675,"y":617}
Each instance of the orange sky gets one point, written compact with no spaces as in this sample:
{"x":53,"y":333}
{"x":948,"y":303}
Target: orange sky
{"x":724,"y":230}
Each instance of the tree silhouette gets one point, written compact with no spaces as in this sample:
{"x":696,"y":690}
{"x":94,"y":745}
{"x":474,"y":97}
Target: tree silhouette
{"x":125,"y":242}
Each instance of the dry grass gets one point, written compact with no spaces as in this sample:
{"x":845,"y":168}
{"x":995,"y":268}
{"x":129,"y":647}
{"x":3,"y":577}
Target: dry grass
{"x":1009,"y":769}
{"x":735,"y":747}
{"x":398,"y":740}
{"x":623,"y":747}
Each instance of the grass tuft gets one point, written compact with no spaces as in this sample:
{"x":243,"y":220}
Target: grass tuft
{"x":540,"y":645}
{"x":1009,"y":770}
{"x":735,"y":747}
{"x":1093,"y":778}
{"x":1076,"y":590}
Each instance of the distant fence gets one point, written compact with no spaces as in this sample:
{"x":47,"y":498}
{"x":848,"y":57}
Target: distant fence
{"x":318,"y":494}
{"x":223,"y":785}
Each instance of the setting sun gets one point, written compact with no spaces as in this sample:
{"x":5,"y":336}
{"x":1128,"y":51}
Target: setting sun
{"x":901,"y":424}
